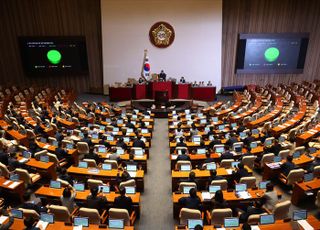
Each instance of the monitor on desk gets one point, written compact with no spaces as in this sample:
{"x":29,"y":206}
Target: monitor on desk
{"x":201,"y":151}
{"x":130,"y":189}
{"x":192,"y":223}
{"x":83,"y":164}
{"x":120,"y":151}
{"x":263,"y":184}
{"x":102,"y":127}
{"x":187,"y":111}
{"x":211,"y":138}
{"x":296,"y":155}
{"x":138,"y":152}
{"x":16,"y":213}
{"x":185,"y":167}
{"x":120,"y":122}
{"x":203,"y":121}
{"x":116,"y":223}
{"x":110,"y":138}
{"x":266,"y":219}
{"x":55,"y":184}
{"x":219,"y":149}
{"x":277,"y":159}
{"x":126,"y":139}
{"x":231,"y":222}
{"x":253,"y":145}
{"x":299,"y":215}
{"x":255,"y":131}
{"x":81,"y":221}
{"x":281,"y":139}
{"x":188,"y":116}
{"x":115,"y":129}
{"x":81,"y":135}
{"x":131,"y":167}
{"x":146,"y":123}
{"x":55,"y":143}
{"x":102,"y":149}
{"x":221,"y":127}
{"x":238,"y":149}
{"x":129,"y":130}
{"x":46,"y":217}
{"x":214,"y":188}
{"x":44,"y":159}
{"x":144,"y":131}
{"x":233,"y":125}
{"x":43,"y":140}
{"x":308,"y":177}
{"x":211,"y":166}
{"x":268,"y":142}
{"x":69,"y":146}
{"x":79,"y":187}
{"x":215,"y":119}
{"x":207,"y":129}
{"x":26,"y":154}
{"x":108,"y":120}
{"x":241,"y":187}
{"x":243,"y":135}
{"x":312,"y":150}
{"x":104,"y":188}
{"x":134,"y":116}
{"x":186,"y":189}
{"x":196,"y":139}
{"x":95,"y":136}
{"x":14,"y":177}
{"x":106,"y":166}
{"x":235,"y":164}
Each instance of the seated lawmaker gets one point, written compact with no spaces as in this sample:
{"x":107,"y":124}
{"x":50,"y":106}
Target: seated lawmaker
{"x":96,"y":201}
{"x":183,"y":156}
{"x":192,"y":202}
{"x":123,"y":201}
{"x":121,"y":143}
{"x":208,"y":158}
{"x":162,"y":76}
{"x":138,"y":142}
{"x":214,"y":176}
{"x":270,"y":197}
{"x":226,"y":154}
{"x":287,"y":166}
{"x":181,"y":143}
{"x":218,"y":200}
{"x":240,"y":172}
{"x":252,"y":210}
{"x":92,"y":155}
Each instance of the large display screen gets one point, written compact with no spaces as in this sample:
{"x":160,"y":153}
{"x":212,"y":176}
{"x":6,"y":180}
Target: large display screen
{"x":272,"y":53}
{"x":54,"y":55}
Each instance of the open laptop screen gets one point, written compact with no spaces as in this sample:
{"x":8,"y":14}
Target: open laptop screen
{"x":192,"y":223}
{"x":81,"y":221}
{"x":299,"y":215}
{"x":266,"y":219}
{"x":79,"y":187}
{"x":231,"y":222}
{"x":55,"y":184}
{"x":116,"y":223}
{"x":214,"y":188}
{"x":46,"y":217}
{"x":241,"y":187}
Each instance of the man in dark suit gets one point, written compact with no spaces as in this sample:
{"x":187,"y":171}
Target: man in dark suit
{"x":61,"y":152}
{"x":130,"y":125}
{"x":213,"y":176}
{"x":92,"y":155}
{"x":138,"y":142}
{"x":241,"y":171}
{"x":121,"y":144}
{"x":162,"y":76}
{"x":192,"y":202}
{"x":288,"y":165}
{"x":65,"y":176}
{"x":208,"y":159}
{"x":275,"y":148}
{"x":4,"y":157}
{"x":95,"y":201}
{"x":87,"y":139}
{"x":181,"y":143}
{"x":252,"y":210}
{"x":227,"y":154}
{"x":214,"y":142}
{"x":123,"y":201}
{"x":233,"y":139}
{"x":183,"y":156}
{"x":248,"y":139}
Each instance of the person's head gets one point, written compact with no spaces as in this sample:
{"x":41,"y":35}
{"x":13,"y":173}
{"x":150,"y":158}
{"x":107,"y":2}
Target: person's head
{"x":211,"y":128}
{"x":66,"y":192}
{"x":113,"y":150}
{"x":246,"y":226}
{"x":122,"y":191}
{"x":193,"y":192}
{"x":63,"y":171}
{"x":289,"y":158}
{"x":240,"y":166}
{"x":94,"y":191}
{"x":192,"y":175}
{"x":207,"y":154}
{"x":183,"y":151}
{"x":131,"y":156}
{"x":120,"y":139}
{"x":85,"y":134}
{"x":138,"y":136}
{"x":181,"y":139}
{"x":198,"y":227}
{"x":213,"y":172}
{"x":125,"y":175}
{"x":269,"y":187}
{"x":219,"y":196}
{"x":258,"y":204}
{"x":29,"y":221}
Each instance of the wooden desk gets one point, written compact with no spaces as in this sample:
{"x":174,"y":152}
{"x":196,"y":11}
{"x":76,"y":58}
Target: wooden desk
{"x":230,"y":197}
{"x":66,"y":123}
{"x":235,"y":106}
{"x":52,"y":148}
{"x":214,"y":106}
{"x":269,"y":173}
{"x":105,"y":175}
{"x":21,"y":138}
{"x":252,"y":110}
{"x":279,"y":224}
{"x":300,"y":189}
{"x":308,"y":135}
{"x":201,"y":175}
{"x":19,"y":189}
{"x":43,"y":168}
{"x":18,"y":224}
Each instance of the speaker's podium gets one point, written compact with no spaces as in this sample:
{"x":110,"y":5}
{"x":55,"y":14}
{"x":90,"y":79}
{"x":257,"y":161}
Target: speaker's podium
{"x":161,"y":98}
{"x":160,"y":86}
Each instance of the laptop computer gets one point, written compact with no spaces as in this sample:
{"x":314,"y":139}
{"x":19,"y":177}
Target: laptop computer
{"x":81,"y":221}
{"x":55,"y":143}
{"x":241,"y":187}
{"x":266,"y":219}
{"x":277,"y":159}
{"x":46,"y":217}
{"x":79,"y":187}
{"x":138,"y":152}
{"x":95,"y":136}
{"x":83,"y":164}
{"x":255,"y":131}
{"x":185,"y":168}
{"x":144,"y":131}
{"x":192,"y":223}
{"x":17,"y":213}
{"x":55,"y":184}
{"x":129,"y":130}
{"x":131,"y":167}
{"x":281,"y":139}
{"x":253,"y":145}
{"x":102,"y":149}
{"x":115,"y":129}
{"x":243,"y":135}
{"x":221,"y":127}
{"x":69,"y":146}
{"x":238,"y":149}
{"x":211,"y":138}
{"x":130,"y":189}
{"x":186,"y":189}
{"x":263,"y":184}
{"x":116,"y":223}
{"x":106,"y":166}
{"x":214,"y":188}
{"x":110,"y":138}
{"x":126,"y":139}
{"x":296,"y":154}
{"x":203,"y":121}
{"x":104,"y":188}
{"x":201,"y":151}
{"x":120,"y":151}
{"x":219,"y":149}
{"x":14,"y":177}
{"x":233,"y":125}
{"x":268,"y":143}
{"x":235,"y":164}
{"x":299,"y":215}
{"x":231,"y":222}
{"x":196,"y":139}
{"x":215,"y":119}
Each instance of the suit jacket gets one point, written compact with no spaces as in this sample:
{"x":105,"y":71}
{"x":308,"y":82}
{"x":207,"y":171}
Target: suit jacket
{"x":183,"y":158}
{"x":123,"y":202}
{"x":99,"y":203}
{"x":61,"y":153}
{"x":287,"y":167}
{"x":122,"y":145}
{"x":213,"y":143}
{"x":226,"y":155}
{"x":189,"y":202}
{"x":181,"y":144}
{"x":231,"y":141}
{"x":240,"y":173}
{"x":139,"y":143}
{"x":92,"y":156}
{"x":4,"y":158}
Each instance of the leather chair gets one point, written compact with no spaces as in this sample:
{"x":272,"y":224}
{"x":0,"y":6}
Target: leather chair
{"x":281,"y":210}
{"x":248,"y":161}
{"x":118,"y":213}
{"x":91,"y":163}
{"x":186,"y":184}
{"x":94,"y":216}
{"x":26,"y":177}
{"x":4,"y":171}
{"x":187,"y":213}
{"x":128,"y":183}
{"x":217,"y":215}
{"x":226,"y":163}
{"x":94,"y":183}
{"x":295,"y":175}
{"x":30,"y":212}
{"x":114,"y":163}
{"x":61,"y":213}
{"x":179,"y":163}
{"x":222,"y":183}
{"x":250,"y":181}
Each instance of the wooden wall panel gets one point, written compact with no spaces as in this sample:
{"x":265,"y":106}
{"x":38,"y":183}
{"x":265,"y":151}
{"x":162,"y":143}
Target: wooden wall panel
{"x":269,"y":16}
{"x":50,"y":18}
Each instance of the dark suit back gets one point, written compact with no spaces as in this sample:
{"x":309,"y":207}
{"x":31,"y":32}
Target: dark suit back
{"x":227,"y":155}
{"x":139,"y":143}
{"x":287,"y":167}
{"x":183,"y":158}
{"x":123,"y":202}
{"x":99,"y":203}
{"x":189,"y":202}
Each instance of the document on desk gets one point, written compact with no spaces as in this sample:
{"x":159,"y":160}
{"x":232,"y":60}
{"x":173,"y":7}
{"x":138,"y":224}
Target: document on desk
{"x":3,"y":219}
{"x":7,"y":182}
{"x":133,"y":174}
{"x":138,"y":157}
{"x":255,"y":227}
{"x":207,"y":195}
{"x":229,"y":171}
{"x":93,"y":170}
{"x":174,"y":157}
{"x":274,"y":165}
{"x":14,"y":184}
{"x":46,"y":146}
{"x":305,"y":225}
{"x":42,"y":225}
{"x":243,"y":195}
{"x":77,"y":227}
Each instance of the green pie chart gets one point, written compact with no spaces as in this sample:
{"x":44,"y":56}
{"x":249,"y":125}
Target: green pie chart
{"x":54,"y":56}
{"x":271,"y":54}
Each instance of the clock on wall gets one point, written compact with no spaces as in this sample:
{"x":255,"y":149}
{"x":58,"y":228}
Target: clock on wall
{"x":161,"y":34}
